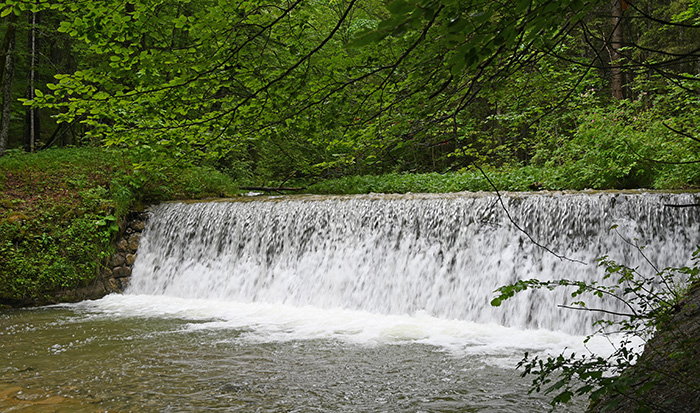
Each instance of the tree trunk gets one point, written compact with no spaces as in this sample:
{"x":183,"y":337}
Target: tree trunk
{"x":32,"y":115}
{"x":617,"y":81}
{"x":7,"y":76}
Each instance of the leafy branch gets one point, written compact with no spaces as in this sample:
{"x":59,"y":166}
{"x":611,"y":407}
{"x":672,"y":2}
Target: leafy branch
{"x":650,"y":302}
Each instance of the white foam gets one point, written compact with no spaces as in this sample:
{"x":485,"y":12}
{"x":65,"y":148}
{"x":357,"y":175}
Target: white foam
{"x":261,"y":323}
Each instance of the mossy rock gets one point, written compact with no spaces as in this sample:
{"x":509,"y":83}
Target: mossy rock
{"x":17,"y":218}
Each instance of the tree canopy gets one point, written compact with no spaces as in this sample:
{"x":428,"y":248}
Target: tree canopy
{"x":319,"y":88}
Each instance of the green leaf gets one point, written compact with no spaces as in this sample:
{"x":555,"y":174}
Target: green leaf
{"x":368,"y":37}
{"x":521,"y":5}
{"x":457,"y":25}
{"x":400,"y":7}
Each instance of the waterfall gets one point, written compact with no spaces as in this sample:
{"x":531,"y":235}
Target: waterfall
{"x":402,"y":254}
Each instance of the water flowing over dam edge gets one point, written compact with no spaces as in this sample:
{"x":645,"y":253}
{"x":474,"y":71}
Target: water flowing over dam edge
{"x":441,"y":254}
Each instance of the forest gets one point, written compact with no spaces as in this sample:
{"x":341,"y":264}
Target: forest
{"x":552,"y":94}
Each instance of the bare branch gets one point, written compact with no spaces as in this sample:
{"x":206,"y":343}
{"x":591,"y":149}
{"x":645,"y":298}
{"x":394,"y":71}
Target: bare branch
{"x":687,"y":135}
{"x":598,"y":310}
{"x":510,"y":218}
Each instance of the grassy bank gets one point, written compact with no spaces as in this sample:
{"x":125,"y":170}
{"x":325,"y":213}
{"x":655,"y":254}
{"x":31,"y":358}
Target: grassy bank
{"x":524,"y":178}
{"x":61,"y":208}
{"x":520,"y":180}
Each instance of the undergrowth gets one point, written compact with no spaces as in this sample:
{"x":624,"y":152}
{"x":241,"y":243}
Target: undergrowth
{"x":61,"y":208}
{"x":518,"y":178}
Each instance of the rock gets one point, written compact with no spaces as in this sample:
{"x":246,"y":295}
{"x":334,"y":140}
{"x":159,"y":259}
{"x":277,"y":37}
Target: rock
{"x":134,"y":240}
{"x":117,"y":260}
{"x":112,"y":285}
{"x":122,"y":284}
{"x":137,"y":226}
{"x":122,"y":245}
{"x":130,"y":259}
{"x":122,"y":272}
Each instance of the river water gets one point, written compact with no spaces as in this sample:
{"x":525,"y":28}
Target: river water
{"x":368,"y":303}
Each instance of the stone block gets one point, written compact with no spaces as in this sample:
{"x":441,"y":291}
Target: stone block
{"x":112,"y":285}
{"x":122,"y":245}
{"x":137,"y":226}
{"x":117,"y":260}
{"x":122,"y":272}
{"x":134,"y":240}
{"x":123,"y":283}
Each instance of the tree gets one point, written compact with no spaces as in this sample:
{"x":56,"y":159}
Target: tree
{"x":32,"y":118}
{"x":280,"y":57}
{"x":615,"y":45}
{"x":7,"y":73}
{"x":39,"y":53}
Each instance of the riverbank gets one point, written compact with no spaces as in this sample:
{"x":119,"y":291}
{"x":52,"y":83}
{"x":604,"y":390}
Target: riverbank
{"x":62,"y":209}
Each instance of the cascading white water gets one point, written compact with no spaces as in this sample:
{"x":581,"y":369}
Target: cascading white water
{"x":389,"y":254}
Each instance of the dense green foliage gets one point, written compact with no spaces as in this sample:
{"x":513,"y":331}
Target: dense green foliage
{"x":517,"y":179}
{"x":304,"y":91}
{"x":60,"y":209}
{"x":621,"y":145}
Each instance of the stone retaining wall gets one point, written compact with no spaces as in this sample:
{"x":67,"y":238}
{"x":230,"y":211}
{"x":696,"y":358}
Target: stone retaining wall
{"x":116,"y":273}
